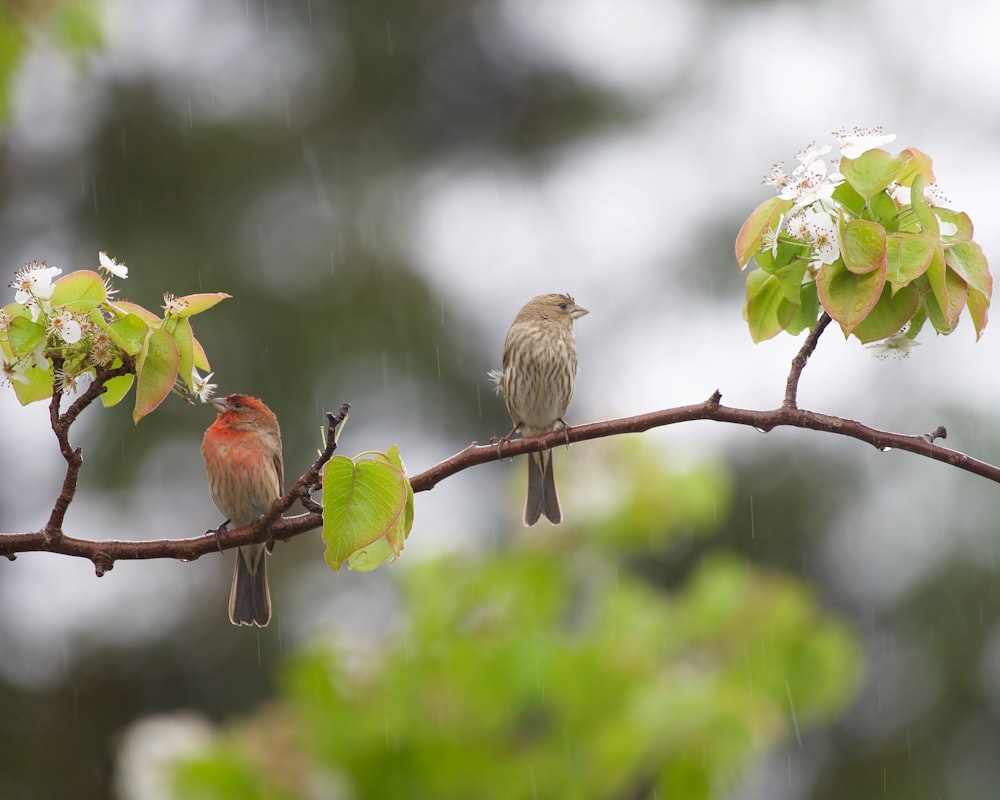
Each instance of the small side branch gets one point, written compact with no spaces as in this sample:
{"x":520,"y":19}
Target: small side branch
{"x":800,"y":361}
{"x":60,"y":423}
{"x":303,"y":488}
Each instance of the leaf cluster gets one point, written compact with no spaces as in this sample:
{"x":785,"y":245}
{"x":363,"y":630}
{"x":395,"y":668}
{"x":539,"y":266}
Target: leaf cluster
{"x":904,"y":260}
{"x":75,"y":330}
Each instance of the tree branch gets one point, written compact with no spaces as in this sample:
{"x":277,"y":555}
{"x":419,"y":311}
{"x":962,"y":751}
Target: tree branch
{"x":105,"y":554}
{"x":711,"y":409}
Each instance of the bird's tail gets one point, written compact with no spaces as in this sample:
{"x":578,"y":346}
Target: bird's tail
{"x":542,"y":497}
{"x":250,"y":599}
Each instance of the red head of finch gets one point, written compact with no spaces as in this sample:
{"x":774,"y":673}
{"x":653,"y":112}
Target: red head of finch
{"x":539,"y":373}
{"x":242,"y":452}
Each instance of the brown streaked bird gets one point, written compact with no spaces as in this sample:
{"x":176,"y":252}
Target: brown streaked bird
{"x":242,"y":452}
{"x":537,"y":381}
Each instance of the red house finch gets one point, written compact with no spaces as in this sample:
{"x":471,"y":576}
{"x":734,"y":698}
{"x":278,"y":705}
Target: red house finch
{"x":539,"y":372}
{"x":242,"y":452}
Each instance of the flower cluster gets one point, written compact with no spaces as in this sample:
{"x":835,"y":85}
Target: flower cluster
{"x":62,"y":333}
{"x":868,"y":239}
{"x":42,"y":326}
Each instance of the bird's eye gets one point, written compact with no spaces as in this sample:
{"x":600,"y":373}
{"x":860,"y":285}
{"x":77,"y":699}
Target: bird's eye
{"x":237,"y":404}
{"x":563,"y":306}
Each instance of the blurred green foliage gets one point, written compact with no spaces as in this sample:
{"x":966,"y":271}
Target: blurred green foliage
{"x":74,"y":25}
{"x":551,"y":670}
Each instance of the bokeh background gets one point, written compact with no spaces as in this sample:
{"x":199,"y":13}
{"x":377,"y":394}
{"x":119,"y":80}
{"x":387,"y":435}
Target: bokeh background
{"x":380,"y":185}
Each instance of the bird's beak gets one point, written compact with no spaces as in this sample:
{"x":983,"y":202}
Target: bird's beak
{"x":578,"y":311}
{"x":219,"y":404}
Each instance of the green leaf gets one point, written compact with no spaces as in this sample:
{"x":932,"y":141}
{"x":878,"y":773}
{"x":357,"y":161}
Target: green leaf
{"x":196,"y":303}
{"x":907,"y":257}
{"x":38,"y":387}
{"x":128,"y":332}
{"x":925,"y":214}
{"x":24,"y":335}
{"x":367,"y":510}
{"x":890,"y":314}
{"x":790,"y":279}
{"x":884,"y":211}
{"x":184,"y":338}
{"x":80,"y":292}
{"x":847,"y":296}
{"x":764,"y":217}
{"x":764,"y":296}
{"x":871,"y":172}
{"x":863,"y":246}
{"x":156,"y":371}
{"x":393,"y":456}
{"x":797,"y":317}
{"x":949,"y":292}
{"x":117,"y":389}
{"x":969,"y":261}
{"x":846,"y":196}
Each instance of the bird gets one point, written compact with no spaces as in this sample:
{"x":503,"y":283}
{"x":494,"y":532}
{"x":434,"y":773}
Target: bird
{"x":537,"y":381}
{"x":242,"y":452}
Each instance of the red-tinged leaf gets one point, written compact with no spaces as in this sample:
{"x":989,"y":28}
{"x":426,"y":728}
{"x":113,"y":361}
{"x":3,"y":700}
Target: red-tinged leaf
{"x":764,"y":217}
{"x":196,"y":303}
{"x":979,"y":310}
{"x":156,"y":371}
{"x":890,"y":314}
{"x":969,"y":261}
{"x":907,"y":257}
{"x":200,"y":359}
{"x":915,"y":162}
{"x":863,"y":246}
{"x":147,"y":316}
{"x":79,"y":292}
{"x":847,"y":296}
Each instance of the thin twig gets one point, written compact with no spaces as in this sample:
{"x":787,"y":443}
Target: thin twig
{"x":302,"y":488}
